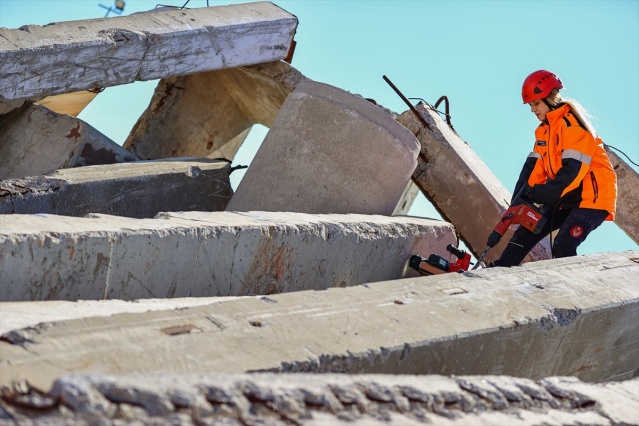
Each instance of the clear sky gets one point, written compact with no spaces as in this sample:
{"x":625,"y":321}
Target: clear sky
{"x":477,"y":53}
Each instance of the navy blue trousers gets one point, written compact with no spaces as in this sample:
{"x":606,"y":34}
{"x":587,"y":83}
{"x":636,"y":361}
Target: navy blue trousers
{"x":574,"y":226}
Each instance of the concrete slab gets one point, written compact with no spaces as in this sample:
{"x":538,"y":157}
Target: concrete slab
{"x":39,"y":61}
{"x":18,"y":315}
{"x":574,"y":316}
{"x":35,"y":141}
{"x":448,"y":167}
{"x":199,"y":254}
{"x":138,"y":189}
{"x":327,"y":399}
{"x":329,"y":151}
{"x":6,"y":107}
{"x":627,"y":196}
{"x":211,"y":113}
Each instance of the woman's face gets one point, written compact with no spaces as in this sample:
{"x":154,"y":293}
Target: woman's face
{"x":539,"y":108}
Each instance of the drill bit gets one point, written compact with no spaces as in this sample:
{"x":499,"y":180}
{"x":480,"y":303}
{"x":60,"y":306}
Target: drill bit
{"x":481,"y":257}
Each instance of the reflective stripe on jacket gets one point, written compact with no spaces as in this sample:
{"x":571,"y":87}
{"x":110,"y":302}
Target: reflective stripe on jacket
{"x":568,"y":163}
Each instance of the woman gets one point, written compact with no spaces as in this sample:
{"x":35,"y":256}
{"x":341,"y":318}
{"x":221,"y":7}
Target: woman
{"x":568,"y":172}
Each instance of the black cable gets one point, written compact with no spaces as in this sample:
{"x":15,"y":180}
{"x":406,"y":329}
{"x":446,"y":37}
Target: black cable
{"x":177,"y":7}
{"x":238,"y":167}
{"x":446,"y":104}
{"x":617,"y":149}
{"x":552,"y":216}
{"x":434,"y":108}
{"x":430,"y":106}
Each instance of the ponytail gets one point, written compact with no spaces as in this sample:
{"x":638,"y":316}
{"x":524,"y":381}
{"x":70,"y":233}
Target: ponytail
{"x":554,"y":100}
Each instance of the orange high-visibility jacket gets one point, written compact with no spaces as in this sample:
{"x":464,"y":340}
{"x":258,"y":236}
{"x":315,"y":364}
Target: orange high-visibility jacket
{"x":568,"y":163}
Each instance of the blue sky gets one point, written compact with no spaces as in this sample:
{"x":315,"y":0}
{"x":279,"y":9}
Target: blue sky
{"x":477,"y":53}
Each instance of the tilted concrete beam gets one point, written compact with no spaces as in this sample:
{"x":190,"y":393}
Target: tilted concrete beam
{"x":335,"y":399}
{"x":574,"y":316}
{"x":329,"y":151}
{"x":35,"y":141}
{"x":627,"y":196}
{"x":38,"y":61}
{"x":194,"y":254}
{"x":140,"y":189}
{"x":260,"y":90}
{"x":211,"y":113}
{"x":460,"y":185}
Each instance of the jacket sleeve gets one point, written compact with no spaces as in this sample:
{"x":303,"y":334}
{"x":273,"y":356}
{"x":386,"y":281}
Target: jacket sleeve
{"x":578,"y":149}
{"x":524,"y":175}
{"x":551,"y":191}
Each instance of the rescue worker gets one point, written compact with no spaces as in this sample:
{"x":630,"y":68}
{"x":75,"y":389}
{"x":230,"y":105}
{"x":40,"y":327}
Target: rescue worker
{"x":568,"y":172}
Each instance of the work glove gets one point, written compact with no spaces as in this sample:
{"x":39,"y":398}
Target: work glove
{"x":542,"y":194}
{"x":524,"y":197}
{"x":493,"y":239}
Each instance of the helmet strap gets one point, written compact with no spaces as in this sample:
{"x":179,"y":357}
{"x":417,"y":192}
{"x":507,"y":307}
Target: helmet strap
{"x":549,"y":105}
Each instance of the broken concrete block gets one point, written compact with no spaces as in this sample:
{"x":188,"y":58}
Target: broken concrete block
{"x":335,"y":399}
{"x":448,"y":167}
{"x":202,"y":114}
{"x":260,"y":90}
{"x":211,"y":113}
{"x":139,"y":189}
{"x":6,"y":107}
{"x":329,"y":151}
{"x":627,"y":217}
{"x":198,"y":254}
{"x":39,"y":61}
{"x":532,"y":321}
{"x":36,"y":141}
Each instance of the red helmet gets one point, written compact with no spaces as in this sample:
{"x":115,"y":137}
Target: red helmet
{"x":538,"y":85}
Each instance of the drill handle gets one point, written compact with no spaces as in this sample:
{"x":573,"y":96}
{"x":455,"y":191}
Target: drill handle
{"x":459,"y":254}
{"x":522,"y":196}
{"x":501,"y":227}
{"x":506,"y":220}
{"x":494,"y":238}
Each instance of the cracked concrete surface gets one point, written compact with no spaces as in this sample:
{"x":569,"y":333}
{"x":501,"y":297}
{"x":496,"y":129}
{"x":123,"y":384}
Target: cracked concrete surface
{"x":138,"y":189}
{"x":220,"y":253}
{"x":120,"y":50}
{"x":250,"y":399}
{"x":572,"y":317}
{"x":67,"y":142}
{"x":532,"y":321}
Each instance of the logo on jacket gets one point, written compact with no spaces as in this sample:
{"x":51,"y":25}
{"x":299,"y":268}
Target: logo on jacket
{"x":576,"y":231}
{"x":540,"y":143}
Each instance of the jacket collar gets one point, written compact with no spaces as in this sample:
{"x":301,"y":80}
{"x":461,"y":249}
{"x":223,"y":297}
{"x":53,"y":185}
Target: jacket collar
{"x":558,"y":113}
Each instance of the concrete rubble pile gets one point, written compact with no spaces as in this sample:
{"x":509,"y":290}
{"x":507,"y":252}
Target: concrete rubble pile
{"x":137,"y":286}
{"x":329,"y":399}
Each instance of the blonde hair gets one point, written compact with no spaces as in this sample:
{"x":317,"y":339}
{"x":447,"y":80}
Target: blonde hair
{"x":555,"y":100}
